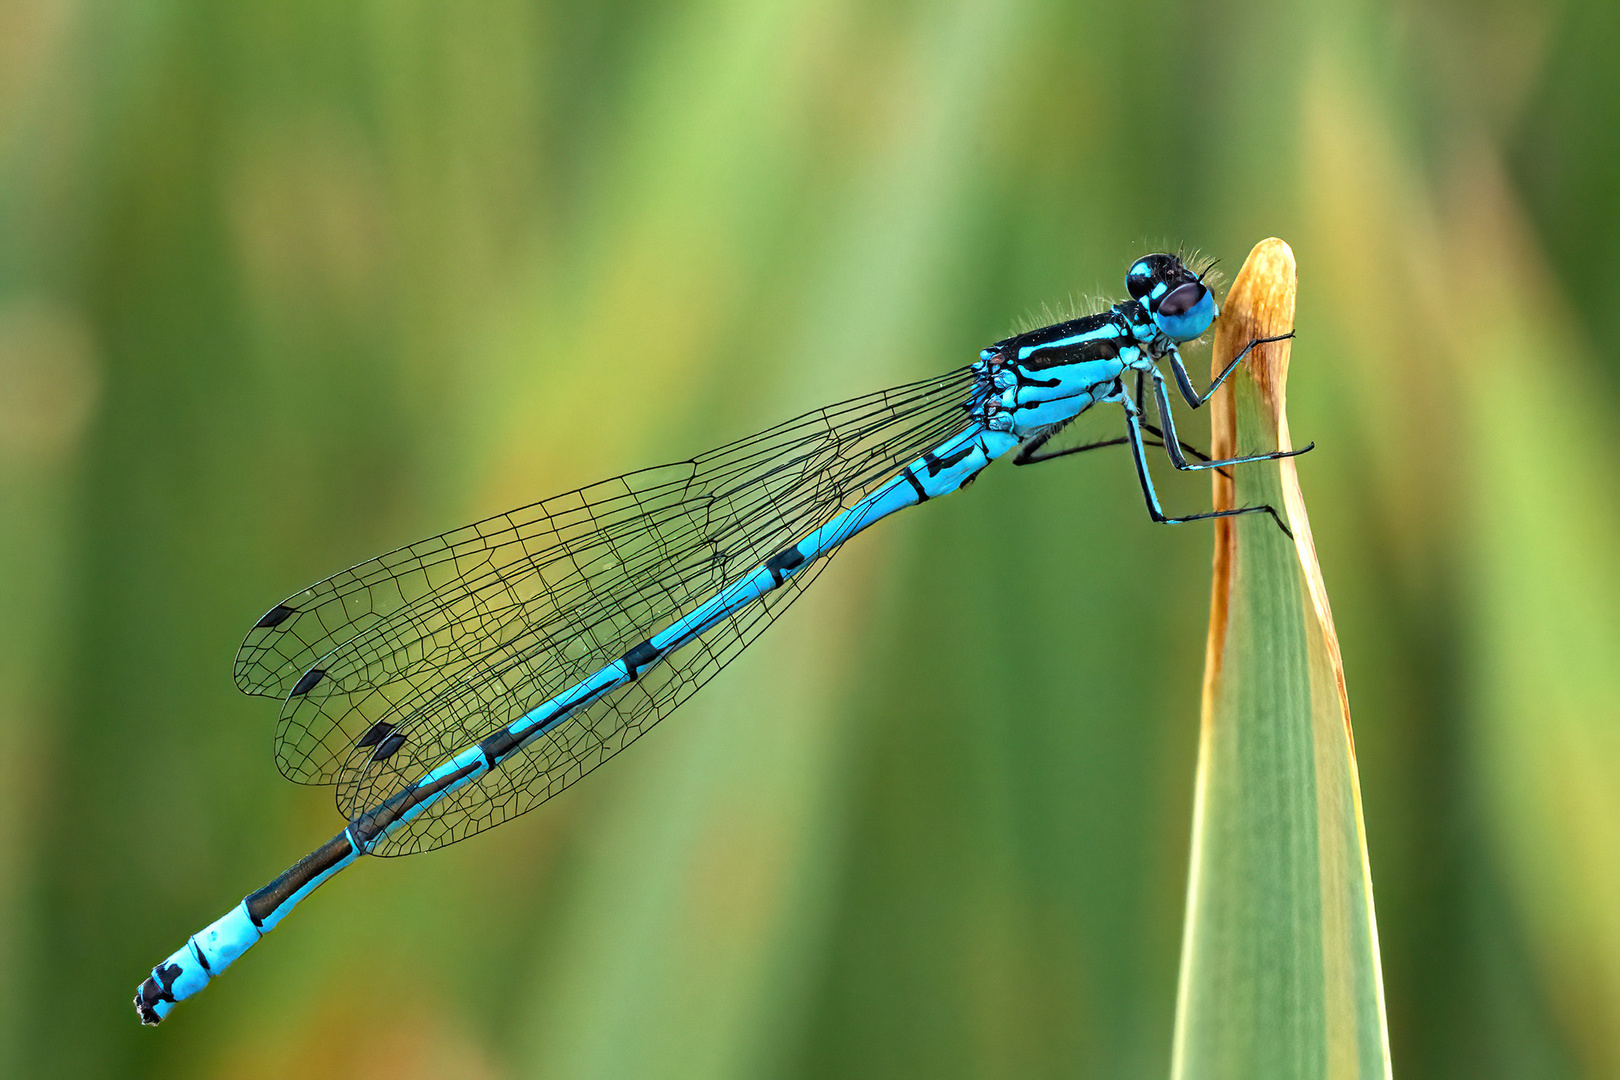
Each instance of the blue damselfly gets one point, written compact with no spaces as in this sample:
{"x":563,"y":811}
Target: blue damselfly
{"x":448,"y":686}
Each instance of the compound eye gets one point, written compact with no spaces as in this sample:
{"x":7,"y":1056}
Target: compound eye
{"x":1182,"y":299}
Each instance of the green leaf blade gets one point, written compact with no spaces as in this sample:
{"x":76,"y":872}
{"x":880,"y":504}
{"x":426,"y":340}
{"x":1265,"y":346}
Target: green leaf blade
{"x":1280,"y":969}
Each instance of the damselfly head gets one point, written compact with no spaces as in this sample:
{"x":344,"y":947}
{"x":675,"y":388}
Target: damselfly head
{"x":1178,"y":300}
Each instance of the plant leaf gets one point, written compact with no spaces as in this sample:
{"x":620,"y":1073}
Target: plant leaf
{"x":1280,"y":972}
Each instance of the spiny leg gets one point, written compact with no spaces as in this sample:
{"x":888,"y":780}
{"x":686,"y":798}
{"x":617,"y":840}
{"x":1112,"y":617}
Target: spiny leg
{"x":1133,"y":431}
{"x":1194,"y":398}
{"x":1141,"y":412}
{"x":1162,"y":395}
{"x":1028,"y":454}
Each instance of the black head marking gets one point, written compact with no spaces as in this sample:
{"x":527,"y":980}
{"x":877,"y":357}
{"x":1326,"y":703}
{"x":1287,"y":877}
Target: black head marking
{"x":1148,"y":273}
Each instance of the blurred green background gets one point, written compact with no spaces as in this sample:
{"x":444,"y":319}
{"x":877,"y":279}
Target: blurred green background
{"x":285,"y":285}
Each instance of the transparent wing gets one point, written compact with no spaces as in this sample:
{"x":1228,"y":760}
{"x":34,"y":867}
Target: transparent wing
{"x":395,"y":664}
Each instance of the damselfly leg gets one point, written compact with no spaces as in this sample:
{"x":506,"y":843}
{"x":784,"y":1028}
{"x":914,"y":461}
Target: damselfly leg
{"x":1172,"y":448}
{"x":1194,"y":398}
{"x":1032,"y":454}
{"x":1133,"y":430}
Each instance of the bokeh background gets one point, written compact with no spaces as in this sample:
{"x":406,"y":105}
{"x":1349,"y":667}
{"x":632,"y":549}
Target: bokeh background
{"x":285,"y":285}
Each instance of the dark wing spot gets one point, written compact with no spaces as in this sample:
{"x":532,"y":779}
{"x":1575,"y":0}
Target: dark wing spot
{"x":275,"y":617}
{"x":389,"y":746}
{"x":308,"y":681}
{"x":376,"y":733}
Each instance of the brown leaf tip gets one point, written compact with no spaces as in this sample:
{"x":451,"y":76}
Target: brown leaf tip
{"x":1259,"y":305}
